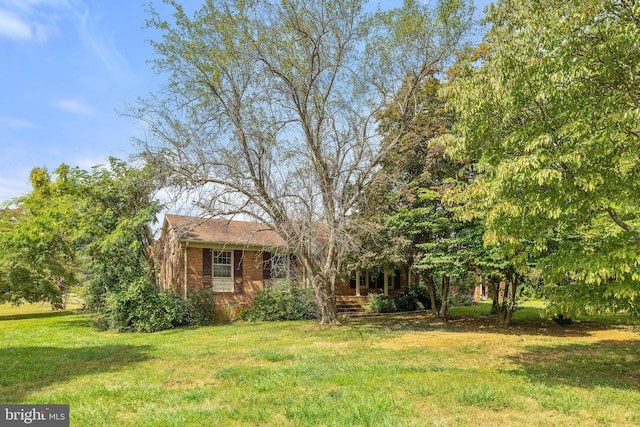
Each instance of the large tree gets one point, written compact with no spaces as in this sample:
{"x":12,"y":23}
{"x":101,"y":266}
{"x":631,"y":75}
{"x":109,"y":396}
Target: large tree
{"x":97,"y":223}
{"x":270,"y":110}
{"x":409,"y":196}
{"x":551,"y":108}
{"x":38,"y":245}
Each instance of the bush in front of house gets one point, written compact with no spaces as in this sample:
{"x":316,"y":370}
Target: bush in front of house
{"x":201,"y":305}
{"x":414,"y":298}
{"x":380,"y":303}
{"x":142,"y":307}
{"x":459,"y":300}
{"x":287,"y":301}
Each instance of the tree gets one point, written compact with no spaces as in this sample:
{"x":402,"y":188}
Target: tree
{"x":119,"y":208}
{"x":38,"y":246}
{"x":270,"y":111}
{"x":410,"y":195}
{"x":97,"y":222}
{"x":551,"y":109}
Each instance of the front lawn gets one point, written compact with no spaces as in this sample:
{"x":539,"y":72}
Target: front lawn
{"x":388,"y":370}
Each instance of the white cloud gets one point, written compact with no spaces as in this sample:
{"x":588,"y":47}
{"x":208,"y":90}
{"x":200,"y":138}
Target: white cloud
{"x":88,"y":162}
{"x":39,"y":20}
{"x":30,"y":20}
{"x":15,"y":123}
{"x":103,"y":47}
{"x":11,"y":188}
{"x":13,"y":27}
{"x":75,"y":106}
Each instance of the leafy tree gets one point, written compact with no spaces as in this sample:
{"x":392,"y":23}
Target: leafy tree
{"x":97,"y":221}
{"x":551,"y":108}
{"x":408,"y":197}
{"x":270,"y":111}
{"x":119,"y":210}
{"x":38,"y":244}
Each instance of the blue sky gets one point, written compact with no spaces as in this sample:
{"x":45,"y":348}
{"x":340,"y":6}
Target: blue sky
{"x":67,"y":68}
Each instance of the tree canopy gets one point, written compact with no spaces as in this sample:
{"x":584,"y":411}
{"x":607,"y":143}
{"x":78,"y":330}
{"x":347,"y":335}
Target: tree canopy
{"x":75,"y":222}
{"x":38,"y":244}
{"x":271,"y":110}
{"x":550,"y":108}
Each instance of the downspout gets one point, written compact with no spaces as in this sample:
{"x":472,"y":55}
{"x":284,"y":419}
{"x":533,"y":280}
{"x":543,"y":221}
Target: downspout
{"x":186,"y":273}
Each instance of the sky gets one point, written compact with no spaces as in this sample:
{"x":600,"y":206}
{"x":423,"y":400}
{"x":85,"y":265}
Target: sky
{"x":68,"y":69}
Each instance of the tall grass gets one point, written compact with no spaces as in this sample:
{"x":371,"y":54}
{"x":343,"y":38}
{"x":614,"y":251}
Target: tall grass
{"x":389,"y":370}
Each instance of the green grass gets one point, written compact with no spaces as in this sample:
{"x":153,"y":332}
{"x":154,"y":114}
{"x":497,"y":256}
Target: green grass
{"x":373,"y":371}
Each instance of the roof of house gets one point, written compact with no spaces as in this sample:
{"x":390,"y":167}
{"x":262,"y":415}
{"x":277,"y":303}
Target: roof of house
{"x":212,"y":230}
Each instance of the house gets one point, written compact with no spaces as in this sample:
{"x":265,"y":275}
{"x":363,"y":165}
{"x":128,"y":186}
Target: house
{"x":236,"y":258}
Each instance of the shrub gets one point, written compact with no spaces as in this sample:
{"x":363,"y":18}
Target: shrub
{"x":457,"y":300}
{"x":286,"y":301}
{"x":379,"y":303}
{"x":141,"y":307}
{"x":201,"y":304}
{"x":414,"y":298}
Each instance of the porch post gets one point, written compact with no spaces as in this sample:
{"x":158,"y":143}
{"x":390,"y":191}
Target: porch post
{"x":386,"y":282}
{"x":358,"y":283}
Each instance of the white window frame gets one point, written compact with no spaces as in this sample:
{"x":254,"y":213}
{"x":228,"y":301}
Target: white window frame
{"x":222,"y":283}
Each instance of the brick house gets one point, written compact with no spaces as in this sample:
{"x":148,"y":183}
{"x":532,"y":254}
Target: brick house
{"x":236,"y":258}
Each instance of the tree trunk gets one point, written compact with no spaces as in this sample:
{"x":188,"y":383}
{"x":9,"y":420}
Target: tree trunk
{"x":324,"y":292}
{"x":445,"y":294}
{"x":508,"y":304}
{"x":428,"y":280}
{"x":62,"y":288}
{"x":494,"y":289}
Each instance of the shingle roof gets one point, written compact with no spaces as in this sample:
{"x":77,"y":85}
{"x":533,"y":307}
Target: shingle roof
{"x":211,"y":230}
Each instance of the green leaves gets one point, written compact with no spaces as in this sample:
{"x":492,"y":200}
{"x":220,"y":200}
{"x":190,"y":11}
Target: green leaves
{"x":550,"y":111}
{"x":94,"y":222}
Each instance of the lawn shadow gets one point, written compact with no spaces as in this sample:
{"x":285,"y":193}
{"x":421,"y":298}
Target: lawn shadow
{"x":28,"y":369}
{"x":40,"y":315}
{"x":425,"y":321}
{"x":607,"y":363}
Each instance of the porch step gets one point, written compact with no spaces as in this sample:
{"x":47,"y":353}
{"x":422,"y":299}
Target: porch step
{"x":351,"y":304}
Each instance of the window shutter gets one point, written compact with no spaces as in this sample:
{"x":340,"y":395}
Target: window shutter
{"x":238,"y":284}
{"x":266,"y":265}
{"x":207,"y":273}
{"x":293,"y":268}
{"x":396,"y":280}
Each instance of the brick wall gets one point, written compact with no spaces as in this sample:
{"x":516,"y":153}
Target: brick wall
{"x":252,"y":263}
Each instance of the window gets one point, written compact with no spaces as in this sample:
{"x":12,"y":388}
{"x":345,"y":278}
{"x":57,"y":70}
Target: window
{"x":279,"y":266}
{"x":222,"y":264}
{"x":222,"y":271}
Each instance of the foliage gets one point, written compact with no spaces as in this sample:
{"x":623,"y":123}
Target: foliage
{"x":549,"y":107}
{"x":117,"y":226}
{"x":38,"y":240}
{"x":457,"y":299}
{"x":407,"y":200}
{"x":532,"y":288}
{"x":380,"y":303}
{"x":201,"y":304}
{"x":141,"y":307}
{"x":96,"y":223}
{"x":414,"y":298}
{"x":284,"y":301}
{"x":270,"y":110}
